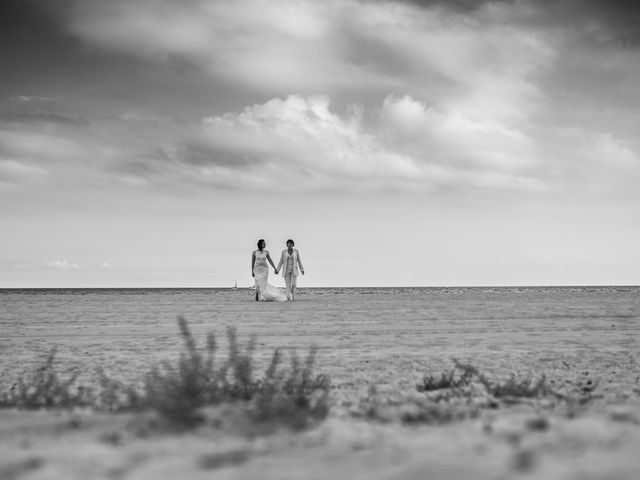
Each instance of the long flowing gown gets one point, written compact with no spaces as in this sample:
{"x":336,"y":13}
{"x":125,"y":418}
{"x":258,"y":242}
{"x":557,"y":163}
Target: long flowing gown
{"x":266,"y":291}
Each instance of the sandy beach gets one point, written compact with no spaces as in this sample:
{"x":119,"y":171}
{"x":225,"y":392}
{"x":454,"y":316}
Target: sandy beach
{"x":376,"y":347}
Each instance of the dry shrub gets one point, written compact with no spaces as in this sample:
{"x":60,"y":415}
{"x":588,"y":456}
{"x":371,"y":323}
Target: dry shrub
{"x":293,"y":397}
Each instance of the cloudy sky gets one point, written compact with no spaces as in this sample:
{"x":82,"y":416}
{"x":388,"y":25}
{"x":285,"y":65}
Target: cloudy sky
{"x":152,"y":142}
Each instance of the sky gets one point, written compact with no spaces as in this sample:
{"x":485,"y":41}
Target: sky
{"x":151,"y":143}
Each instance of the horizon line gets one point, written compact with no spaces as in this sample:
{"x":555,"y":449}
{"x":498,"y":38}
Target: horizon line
{"x":327,"y":287}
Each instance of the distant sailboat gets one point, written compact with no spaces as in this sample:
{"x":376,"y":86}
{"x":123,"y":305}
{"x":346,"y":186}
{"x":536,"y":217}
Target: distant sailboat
{"x":236,"y":284}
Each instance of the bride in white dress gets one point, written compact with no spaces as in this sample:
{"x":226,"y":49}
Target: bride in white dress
{"x":265,"y":292}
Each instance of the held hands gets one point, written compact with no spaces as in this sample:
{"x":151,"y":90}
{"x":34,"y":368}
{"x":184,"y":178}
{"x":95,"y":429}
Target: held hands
{"x":276,"y":271}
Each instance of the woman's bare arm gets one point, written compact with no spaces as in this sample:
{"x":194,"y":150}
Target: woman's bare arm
{"x":253,"y":262}
{"x":271,"y":261}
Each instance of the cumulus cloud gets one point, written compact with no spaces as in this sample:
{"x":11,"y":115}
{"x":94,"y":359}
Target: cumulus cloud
{"x":64,"y":264}
{"x":293,"y":143}
{"x":450,"y":136}
{"x":300,"y":143}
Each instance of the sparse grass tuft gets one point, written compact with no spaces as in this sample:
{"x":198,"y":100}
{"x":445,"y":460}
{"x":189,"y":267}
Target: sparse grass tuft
{"x":465,"y":373}
{"x":461,"y":393}
{"x":115,"y":395}
{"x":237,"y":374}
{"x":514,"y":388}
{"x":46,"y":389}
{"x":465,"y":380}
{"x":296,"y":397}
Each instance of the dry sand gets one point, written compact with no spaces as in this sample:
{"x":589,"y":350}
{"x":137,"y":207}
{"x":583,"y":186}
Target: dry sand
{"x":389,"y":344}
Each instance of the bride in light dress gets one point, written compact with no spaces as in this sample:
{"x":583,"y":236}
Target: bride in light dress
{"x":265,"y":292}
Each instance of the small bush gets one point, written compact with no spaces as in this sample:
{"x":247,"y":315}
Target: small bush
{"x":292,"y":397}
{"x":177,"y":392}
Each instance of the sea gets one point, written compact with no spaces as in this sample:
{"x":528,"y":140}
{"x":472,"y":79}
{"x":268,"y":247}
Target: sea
{"x":126,"y":330}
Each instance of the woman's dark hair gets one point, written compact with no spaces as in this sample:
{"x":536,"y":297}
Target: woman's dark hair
{"x":260,"y":242}
{"x":291,"y":242}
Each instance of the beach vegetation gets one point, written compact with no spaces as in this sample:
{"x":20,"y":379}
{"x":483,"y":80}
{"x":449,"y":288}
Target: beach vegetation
{"x":115,"y":395}
{"x":409,"y":410}
{"x":46,"y":388}
{"x":460,"y":376}
{"x":429,"y":412}
{"x":466,"y":380}
{"x":292,"y":396}
{"x":515,"y":388}
{"x":464,"y":391}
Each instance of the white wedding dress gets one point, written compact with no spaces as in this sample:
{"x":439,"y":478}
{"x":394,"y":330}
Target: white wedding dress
{"x":266,"y":292}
